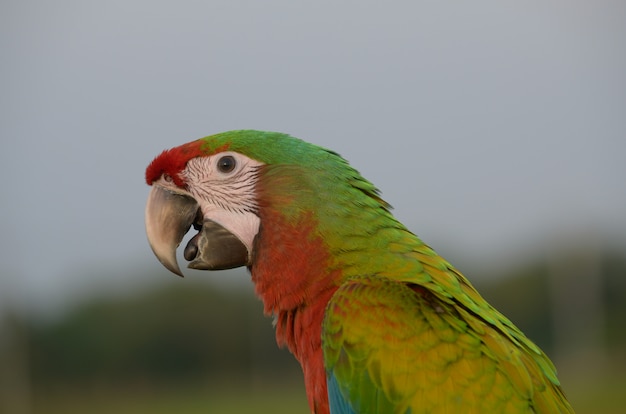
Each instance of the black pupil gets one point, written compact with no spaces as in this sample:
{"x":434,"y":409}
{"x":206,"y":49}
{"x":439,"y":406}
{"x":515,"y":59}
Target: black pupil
{"x":226,"y":164}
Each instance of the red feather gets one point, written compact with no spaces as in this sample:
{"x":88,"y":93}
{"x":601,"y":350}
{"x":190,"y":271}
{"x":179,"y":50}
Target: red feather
{"x":295,"y":285}
{"x":172,"y":161}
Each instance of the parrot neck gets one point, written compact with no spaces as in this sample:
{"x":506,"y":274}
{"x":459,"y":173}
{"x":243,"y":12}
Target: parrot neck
{"x":291,"y":274}
{"x":290,"y":267}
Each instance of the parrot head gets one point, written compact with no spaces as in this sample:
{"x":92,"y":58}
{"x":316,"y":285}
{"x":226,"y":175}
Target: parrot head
{"x":230,"y":186}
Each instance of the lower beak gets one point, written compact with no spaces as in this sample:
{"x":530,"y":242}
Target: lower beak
{"x":215,"y":248}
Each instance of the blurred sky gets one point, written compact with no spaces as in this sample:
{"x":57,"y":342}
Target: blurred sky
{"x":488,"y":125}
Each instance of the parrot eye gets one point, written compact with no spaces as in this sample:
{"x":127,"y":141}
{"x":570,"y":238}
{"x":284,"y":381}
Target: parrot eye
{"x":226,"y":164}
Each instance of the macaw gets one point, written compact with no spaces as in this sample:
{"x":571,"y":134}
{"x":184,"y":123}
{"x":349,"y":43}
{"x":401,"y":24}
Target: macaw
{"x":379,"y":322}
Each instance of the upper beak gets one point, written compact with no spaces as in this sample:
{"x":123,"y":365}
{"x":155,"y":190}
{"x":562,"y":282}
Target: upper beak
{"x":170,"y":215}
{"x":168,"y":218}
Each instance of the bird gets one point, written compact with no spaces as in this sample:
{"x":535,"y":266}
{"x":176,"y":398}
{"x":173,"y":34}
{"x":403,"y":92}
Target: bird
{"x":379,"y":322}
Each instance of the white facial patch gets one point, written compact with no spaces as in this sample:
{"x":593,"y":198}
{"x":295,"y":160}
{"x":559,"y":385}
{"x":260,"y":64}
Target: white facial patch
{"x":226,"y":192}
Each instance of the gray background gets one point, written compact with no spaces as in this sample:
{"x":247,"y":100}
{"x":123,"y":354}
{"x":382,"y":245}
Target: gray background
{"x":496,"y":130}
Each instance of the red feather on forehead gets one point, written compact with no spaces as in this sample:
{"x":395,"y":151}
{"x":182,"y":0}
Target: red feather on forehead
{"x":173,"y":161}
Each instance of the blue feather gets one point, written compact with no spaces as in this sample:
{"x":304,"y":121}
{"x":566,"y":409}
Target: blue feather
{"x":336,"y":401}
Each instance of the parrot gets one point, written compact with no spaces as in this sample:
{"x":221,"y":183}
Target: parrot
{"x":379,"y":322}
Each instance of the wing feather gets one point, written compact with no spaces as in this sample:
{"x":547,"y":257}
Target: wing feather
{"x":393,"y":347}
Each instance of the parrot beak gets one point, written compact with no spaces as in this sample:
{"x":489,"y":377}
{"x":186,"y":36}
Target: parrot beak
{"x":170,"y":215}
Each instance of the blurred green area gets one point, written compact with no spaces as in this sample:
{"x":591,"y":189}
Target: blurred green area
{"x":278,"y":399}
{"x":192,"y":348}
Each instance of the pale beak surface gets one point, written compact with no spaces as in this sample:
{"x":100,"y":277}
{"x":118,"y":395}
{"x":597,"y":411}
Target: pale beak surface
{"x":168,"y":218}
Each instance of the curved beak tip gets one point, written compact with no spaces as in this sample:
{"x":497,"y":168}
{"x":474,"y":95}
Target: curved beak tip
{"x":173,"y":268}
